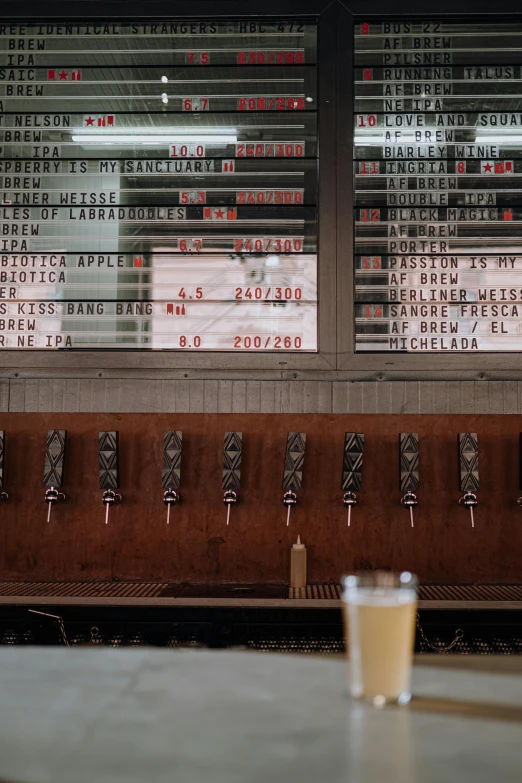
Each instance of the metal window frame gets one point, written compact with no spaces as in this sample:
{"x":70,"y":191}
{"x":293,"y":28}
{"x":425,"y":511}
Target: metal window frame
{"x":325,"y":12}
{"x":390,"y":366}
{"x":336,"y":358}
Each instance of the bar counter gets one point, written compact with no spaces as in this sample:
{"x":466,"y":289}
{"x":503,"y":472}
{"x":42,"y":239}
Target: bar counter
{"x":240,"y":717}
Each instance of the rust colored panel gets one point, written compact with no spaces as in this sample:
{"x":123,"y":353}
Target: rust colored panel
{"x":197,"y":546}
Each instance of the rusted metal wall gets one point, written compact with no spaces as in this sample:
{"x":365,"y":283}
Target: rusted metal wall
{"x":198,"y":546}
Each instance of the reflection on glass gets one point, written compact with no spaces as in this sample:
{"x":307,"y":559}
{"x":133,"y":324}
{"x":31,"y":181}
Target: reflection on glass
{"x":438,"y":185}
{"x":151,"y":173}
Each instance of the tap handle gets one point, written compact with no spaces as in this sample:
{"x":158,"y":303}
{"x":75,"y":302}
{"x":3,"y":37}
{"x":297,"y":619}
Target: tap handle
{"x":520,"y":460}
{"x":294,"y":462}
{"x":232,"y":451}
{"x":4,"y":497}
{"x":109,"y":459}
{"x":55,"y":458}
{"x":171,"y":473}
{"x":408,"y":462}
{"x":2,"y":447}
{"x":352,"y":462}
{"x":468,"y":462}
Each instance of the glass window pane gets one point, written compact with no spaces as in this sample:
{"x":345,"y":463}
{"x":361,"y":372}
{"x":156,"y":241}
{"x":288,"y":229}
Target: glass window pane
{"x":159,"y":185}
{"x":438,"y":186}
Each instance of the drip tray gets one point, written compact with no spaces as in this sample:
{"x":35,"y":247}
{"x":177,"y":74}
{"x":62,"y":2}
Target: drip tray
{"x":225,"y":591}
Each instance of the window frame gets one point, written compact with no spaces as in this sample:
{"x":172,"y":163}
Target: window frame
{"x":391,"y":365}
{"x":336,"y":357}
{"x":324,"y":12}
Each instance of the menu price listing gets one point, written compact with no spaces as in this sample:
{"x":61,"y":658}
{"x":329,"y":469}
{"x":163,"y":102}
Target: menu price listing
{"x":438,"y":186}
{"x":143,"y":207}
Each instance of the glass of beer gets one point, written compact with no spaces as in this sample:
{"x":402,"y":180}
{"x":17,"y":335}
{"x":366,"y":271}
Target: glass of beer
{"x":379,"y":620}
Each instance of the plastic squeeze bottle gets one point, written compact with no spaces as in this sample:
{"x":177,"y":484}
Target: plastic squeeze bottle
{"x":298,"y":564}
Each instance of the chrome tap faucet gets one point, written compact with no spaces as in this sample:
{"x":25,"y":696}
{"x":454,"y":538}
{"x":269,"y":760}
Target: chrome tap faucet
{"x":231,"y":478}
{"x":229,"y":499}
{"x":469,"y":500}
{"x":409,"y":501}
{"x":349,"y":501}
{"x":170,"y":498}
{"x":289,"y":500}
{"x":171,"y":473}
{"x":352,"y":469}
{"x":468,"y":471}
{"x":110,"y":498}
{"x":52,"y":497}
{"x":53,"y":468}
{"x":108,"y":442}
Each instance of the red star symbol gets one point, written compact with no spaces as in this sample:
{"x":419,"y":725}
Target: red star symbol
{"x":219,"y":214}
{"x":138,"y":261}
{"x":89,"y":121}
{"x":63,"y":75}
{"x":488,"y":167}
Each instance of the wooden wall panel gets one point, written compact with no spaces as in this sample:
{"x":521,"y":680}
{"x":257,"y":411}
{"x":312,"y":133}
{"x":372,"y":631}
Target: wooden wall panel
{"x":198,"y":546}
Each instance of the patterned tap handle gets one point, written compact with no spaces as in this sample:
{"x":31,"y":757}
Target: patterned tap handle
{"x":171,"y":472}
{"x":468,"y":471}
{"x":409,"y":470}
{"x":54,"y":468}
{"x":519,"y":500}
{"x":352,"y":469}
{"x":293,"y":469}
{"x":4,"y":497}
{"x":108,"y":451}
{"x":231,"y":477}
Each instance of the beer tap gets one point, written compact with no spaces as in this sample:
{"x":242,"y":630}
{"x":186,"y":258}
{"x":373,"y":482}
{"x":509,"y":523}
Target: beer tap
{"x":4,"y":497}
{"x":519,"y":500}
{"x":109,"y":469}
{"x":293,"y":469}
{"x":468,"y":471}
{"x":409,"y":469}
{"x":352,"y":469}
{"x":53,"y":468}
{"x":231,"y":480}
{"x":171,"y":474}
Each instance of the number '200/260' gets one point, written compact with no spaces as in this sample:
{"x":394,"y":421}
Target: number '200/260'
{"x":267,"y":342}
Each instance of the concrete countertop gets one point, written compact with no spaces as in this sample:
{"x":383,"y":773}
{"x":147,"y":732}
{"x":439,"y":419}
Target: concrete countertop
{"x":150,"y":716}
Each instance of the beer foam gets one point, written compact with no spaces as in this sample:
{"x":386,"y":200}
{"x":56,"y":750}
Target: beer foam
{"x":379,"y":597}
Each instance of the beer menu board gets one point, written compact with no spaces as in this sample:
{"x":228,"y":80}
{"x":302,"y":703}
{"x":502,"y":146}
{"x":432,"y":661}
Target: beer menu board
{"x":438,"y":186}
{"x":158,"y":185}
